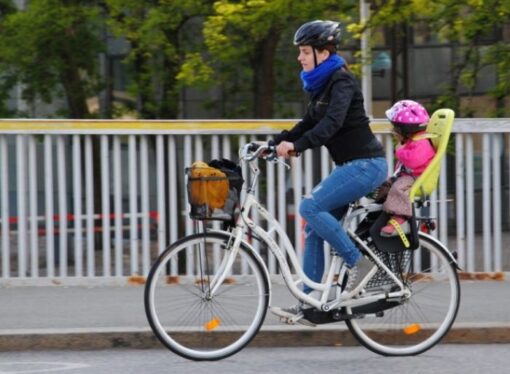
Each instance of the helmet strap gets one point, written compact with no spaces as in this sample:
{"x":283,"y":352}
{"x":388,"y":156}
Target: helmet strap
{"x":314,"y":57}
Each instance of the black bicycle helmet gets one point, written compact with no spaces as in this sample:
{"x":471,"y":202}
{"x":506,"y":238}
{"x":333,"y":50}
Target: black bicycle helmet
{"x":318,"y":34}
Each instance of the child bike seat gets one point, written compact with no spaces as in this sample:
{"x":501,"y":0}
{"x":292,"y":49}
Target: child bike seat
{"x":438,"y":131}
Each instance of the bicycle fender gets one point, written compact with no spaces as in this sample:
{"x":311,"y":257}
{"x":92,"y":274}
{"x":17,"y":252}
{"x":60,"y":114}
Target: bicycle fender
{"x":257,"y":256}
{"x":451,"y":255}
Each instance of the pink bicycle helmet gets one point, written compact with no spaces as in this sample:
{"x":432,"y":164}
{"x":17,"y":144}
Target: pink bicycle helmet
{"x":408,"y":116}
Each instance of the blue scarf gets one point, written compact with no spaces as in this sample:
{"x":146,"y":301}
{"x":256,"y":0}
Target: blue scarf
{"x":315,"y":80}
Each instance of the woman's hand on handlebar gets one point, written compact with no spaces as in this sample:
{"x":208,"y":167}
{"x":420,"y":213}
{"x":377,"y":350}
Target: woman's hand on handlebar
{"x":269,"y":148}
{"x":285,"y":149}
{"x":266,"y":150}
{"x":257,"y":149}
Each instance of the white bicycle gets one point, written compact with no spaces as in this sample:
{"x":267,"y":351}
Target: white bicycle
{"x":404,"y":305}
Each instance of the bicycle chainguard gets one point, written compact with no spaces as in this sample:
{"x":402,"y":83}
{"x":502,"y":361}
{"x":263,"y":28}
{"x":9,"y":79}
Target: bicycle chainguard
{"x":336,"y":315}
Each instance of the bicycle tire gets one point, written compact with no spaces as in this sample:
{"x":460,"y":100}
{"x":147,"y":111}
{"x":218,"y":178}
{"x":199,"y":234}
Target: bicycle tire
{"x":414,"y":325}
{"x":183,"y":316}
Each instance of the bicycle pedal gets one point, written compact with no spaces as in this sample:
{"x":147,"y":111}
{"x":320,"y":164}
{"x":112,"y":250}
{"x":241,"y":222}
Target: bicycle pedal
{"x":301,"y":320}
{"x":287,"y":320}
{"x":304,"y":321}
{"x":298,"y":319}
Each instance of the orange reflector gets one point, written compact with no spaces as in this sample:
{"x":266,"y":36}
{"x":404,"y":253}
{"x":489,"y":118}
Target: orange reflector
{"x":412,"y":329}
{"x":212,"y":324}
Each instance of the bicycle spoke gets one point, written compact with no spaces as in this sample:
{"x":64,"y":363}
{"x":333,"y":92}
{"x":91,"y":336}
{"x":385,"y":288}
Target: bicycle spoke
{"x":236,"y":310}
{"x":418,"y":323}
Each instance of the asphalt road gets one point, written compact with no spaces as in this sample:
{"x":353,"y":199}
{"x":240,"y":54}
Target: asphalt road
{"x":449,"y":359}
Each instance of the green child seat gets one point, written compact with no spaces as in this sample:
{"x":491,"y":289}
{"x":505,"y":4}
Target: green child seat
{"x":438,"y":130}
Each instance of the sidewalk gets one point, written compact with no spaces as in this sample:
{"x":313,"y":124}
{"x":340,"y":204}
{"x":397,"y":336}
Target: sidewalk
{"x":77,"y":317}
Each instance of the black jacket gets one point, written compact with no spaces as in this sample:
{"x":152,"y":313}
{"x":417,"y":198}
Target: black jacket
{"x":336,"y":118}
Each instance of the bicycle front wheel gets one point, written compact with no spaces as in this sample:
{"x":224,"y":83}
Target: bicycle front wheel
{"x":414,"y":323}
{"x":193,"y":313}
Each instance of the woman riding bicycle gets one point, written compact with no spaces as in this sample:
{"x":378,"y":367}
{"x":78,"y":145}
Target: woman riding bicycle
{"x":336,"y":119}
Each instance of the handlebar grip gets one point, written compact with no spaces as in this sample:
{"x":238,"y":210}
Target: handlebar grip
{"x":253,"y":147}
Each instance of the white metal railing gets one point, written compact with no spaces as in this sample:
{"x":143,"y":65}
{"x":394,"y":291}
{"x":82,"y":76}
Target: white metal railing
{"x":102,"y":198}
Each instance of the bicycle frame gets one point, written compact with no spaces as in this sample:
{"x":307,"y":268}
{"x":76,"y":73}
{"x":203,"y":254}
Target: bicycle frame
{"x":287,"y":249}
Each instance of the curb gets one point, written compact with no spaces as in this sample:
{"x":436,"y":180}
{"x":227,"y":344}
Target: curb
{"x":140,"y":280}
{"x":273,"y":336}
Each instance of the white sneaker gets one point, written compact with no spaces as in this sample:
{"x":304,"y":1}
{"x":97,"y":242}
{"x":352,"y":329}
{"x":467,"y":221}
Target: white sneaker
{"x":292,"y":314}
{"x":358,"y":273}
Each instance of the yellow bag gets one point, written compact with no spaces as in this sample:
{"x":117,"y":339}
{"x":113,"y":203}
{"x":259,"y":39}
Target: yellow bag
{"x":210,"y":186}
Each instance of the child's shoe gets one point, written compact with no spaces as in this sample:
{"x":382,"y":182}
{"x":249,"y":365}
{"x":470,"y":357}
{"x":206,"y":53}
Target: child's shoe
{"x":389,"y":230}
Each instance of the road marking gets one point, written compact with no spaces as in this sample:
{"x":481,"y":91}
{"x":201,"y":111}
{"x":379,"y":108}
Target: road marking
{"x":32,"y":367}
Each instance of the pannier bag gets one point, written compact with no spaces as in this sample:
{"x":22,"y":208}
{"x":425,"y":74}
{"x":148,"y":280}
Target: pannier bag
{"x":214,"y":189}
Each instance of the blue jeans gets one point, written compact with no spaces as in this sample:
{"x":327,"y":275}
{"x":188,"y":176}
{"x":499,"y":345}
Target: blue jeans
{"x":327,"y":204}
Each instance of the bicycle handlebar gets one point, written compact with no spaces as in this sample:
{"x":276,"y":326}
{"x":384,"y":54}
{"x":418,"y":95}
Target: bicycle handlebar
{"x":251,"y":151}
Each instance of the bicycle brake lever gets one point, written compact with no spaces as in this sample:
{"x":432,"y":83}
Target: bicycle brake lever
{"x":277,"y":160}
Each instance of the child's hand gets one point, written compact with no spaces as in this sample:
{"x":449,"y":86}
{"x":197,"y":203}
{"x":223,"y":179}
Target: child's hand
{"x":380,"y":193}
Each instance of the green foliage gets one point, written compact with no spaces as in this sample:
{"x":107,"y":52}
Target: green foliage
{"x":498,"y":55}
{"x":157,"y":49}
{"x":465,"y":23}
{"x":6,"y":7}
{"x":233,"y":32}
{"x":195,"y":72}
{"x":51,"y":48}
{"x":243,"y":46}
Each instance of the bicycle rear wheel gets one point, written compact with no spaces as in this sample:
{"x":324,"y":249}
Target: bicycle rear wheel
{"x":191,"y":320}
{"x":411,"y":325}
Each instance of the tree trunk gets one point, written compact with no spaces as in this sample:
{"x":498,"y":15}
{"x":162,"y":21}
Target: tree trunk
{"x":169,"y":104}
{"x":400,"y":62}
{"x":143,"y":81}
{"x":75,"y":92}
{"x":106,"y":95}
{"x":263,"y":76}
{"x":77,"y":102}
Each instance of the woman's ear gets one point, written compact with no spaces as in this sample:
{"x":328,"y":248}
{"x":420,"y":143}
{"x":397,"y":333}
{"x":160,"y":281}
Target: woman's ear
{"x":323,"y":55}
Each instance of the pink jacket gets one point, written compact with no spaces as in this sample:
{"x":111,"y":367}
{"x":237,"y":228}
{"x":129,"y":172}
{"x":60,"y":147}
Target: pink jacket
{"x":415,"y":155}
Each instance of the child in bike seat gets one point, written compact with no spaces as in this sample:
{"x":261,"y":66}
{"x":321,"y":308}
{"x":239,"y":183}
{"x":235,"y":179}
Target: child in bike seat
{"x":414,"y":152}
